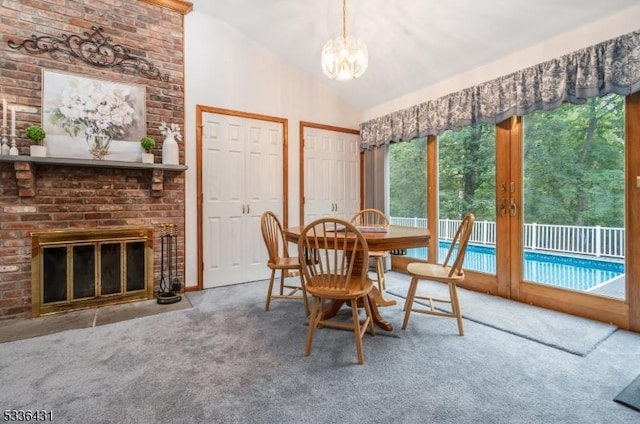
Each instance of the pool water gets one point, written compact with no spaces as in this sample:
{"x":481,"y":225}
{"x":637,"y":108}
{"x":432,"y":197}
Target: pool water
{"x":558,"y":270}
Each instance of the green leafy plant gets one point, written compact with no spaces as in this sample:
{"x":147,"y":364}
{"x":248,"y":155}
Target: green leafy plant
{"x":147,"y":143}
{"x":35,"y":133}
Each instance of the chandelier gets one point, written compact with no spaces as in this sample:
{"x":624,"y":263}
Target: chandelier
{"x":344,"y":58}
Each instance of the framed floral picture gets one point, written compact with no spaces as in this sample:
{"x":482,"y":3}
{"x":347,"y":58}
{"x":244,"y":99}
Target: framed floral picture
{"x":88,"y":118}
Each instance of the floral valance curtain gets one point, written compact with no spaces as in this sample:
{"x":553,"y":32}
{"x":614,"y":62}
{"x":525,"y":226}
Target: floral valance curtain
{"x":610,"y":66}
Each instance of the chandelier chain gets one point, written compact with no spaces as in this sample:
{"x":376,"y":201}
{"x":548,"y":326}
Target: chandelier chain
{"x":344,"y":19}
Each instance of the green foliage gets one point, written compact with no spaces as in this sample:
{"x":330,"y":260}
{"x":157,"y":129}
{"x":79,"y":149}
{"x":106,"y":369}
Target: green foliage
{"x":408,"y":190}
{"x":574,"y":164}
{"x":467,"y":172}
{"x":147,"y":143}
{"x":35,"y":133}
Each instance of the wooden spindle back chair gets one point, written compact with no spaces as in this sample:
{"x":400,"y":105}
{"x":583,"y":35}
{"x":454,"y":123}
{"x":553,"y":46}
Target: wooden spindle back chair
{"x":450,"y":274}
{"x":279,"y":259}
{"x":334,"y":268}
{"x":374,"y":217}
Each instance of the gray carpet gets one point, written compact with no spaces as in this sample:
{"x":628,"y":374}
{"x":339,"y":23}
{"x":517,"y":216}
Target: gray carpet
{"x":566,"y":332}
{"x":226,"y":360}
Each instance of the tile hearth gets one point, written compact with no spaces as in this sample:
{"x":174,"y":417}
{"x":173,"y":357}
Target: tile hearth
{"x":11,"y":330}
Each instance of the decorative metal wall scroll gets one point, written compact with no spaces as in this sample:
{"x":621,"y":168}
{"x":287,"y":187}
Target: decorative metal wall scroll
{"x":95,"y":49}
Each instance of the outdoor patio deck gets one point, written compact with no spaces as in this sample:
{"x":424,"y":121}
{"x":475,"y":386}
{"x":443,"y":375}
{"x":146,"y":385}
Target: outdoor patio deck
{"x":612,"y":288}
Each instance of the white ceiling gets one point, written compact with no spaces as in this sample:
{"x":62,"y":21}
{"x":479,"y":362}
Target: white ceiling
{"x":412,"y":43}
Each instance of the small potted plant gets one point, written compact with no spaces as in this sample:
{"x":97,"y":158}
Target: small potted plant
{"x":36,"y":134}
{"x":147,"y":143}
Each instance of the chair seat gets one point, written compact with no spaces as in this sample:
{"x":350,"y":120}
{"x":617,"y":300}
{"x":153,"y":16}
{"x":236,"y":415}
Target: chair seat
{"x":353,"y":289}
{"x":285,"y":263}
{"x":432,"y":271}
{"x":378,"y":254}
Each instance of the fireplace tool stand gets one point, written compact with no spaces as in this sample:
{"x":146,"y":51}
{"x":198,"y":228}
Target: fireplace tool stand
{"x":169,"y":282}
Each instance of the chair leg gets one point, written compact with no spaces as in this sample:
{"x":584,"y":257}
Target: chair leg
{"x":304,"y":294}
{"x":408,"y":304}
{"x":269,"y":291}
{"x":406,"y":301}
{"x":313,"y":320}
{"x":367,"y":309}
{"x":282,"y":272}
{"x":356,"y":330}
{"x":455,"y":306}
{"x":380,"y":272}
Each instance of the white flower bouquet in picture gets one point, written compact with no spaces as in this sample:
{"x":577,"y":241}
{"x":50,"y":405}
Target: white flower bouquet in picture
{"x":89,"y":115}
{"x":100,"y":111}
{"x":170,"y":149}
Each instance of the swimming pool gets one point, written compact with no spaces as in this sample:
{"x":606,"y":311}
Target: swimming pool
{"x":558,"y":270}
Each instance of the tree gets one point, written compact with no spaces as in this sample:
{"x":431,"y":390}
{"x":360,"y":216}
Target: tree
{"x":467,"y":172}
{"x":574,"y":164}
{"x":407,"y":179}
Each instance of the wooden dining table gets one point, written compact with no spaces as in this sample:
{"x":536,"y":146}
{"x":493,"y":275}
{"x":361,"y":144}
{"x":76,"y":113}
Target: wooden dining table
{"x":396,"y":237}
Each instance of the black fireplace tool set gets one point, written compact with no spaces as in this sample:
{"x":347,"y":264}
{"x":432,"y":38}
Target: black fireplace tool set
{"x":169,"y":283}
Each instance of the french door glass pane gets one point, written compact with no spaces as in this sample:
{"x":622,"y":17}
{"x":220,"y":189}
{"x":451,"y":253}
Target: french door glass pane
{"x":573,"y":197}
{"x":467,"y":164}
{"x":407,"y":186}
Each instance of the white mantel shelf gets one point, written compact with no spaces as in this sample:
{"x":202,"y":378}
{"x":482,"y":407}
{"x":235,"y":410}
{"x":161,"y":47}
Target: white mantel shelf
{"x":25,"y":165}
{"x":90,"y":163}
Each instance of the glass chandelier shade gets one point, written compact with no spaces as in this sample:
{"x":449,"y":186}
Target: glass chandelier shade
{"x":344,"y":58}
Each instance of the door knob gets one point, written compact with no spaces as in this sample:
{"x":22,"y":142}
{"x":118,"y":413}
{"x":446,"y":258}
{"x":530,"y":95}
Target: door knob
{"x":513,"y":209}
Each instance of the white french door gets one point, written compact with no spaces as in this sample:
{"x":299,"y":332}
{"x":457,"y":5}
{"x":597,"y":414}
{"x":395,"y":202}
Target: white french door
{"x":242,"y":172}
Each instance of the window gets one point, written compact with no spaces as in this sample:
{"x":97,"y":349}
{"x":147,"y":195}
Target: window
{"x":573,"y":188}
{"x":407,"y":183}
{"x":467,"y":164}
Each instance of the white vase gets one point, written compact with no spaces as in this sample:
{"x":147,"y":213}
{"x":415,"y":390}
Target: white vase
{"x":170,"y":151}
{"x":99,"y":144}
{"x":37,"y":150}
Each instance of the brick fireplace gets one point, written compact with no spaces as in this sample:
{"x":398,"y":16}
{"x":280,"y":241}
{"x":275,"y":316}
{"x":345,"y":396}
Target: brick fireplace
{"x":46,"y":195}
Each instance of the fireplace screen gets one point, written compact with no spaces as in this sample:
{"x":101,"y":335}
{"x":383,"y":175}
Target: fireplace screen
{"x":84,"y":268}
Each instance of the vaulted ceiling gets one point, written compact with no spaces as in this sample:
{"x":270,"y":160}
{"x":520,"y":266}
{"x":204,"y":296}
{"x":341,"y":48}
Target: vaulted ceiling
{"x":412,"y":43}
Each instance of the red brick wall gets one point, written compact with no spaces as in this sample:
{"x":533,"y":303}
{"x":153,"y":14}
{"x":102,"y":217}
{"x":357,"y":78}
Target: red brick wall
{"x":84,"y":197}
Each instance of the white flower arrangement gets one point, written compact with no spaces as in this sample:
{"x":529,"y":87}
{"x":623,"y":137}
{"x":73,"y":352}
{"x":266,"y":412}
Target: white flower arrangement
{"x":171,"y":130}
{"x":97,"y":108}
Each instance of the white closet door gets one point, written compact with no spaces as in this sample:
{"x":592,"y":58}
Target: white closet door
{"x":263,"y":189}
{"x":332,"y":170}
{"x":347,"y":172}
{"x":318,"y":176}
{"x":242,"y":177}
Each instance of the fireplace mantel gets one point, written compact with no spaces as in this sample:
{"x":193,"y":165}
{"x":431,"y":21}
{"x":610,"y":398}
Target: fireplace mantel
{"x":25,"y":167}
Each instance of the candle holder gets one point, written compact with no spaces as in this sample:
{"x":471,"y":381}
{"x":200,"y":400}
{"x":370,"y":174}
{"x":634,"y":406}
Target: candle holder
{"x":4,"y":147}
{"x":13,"y":151}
